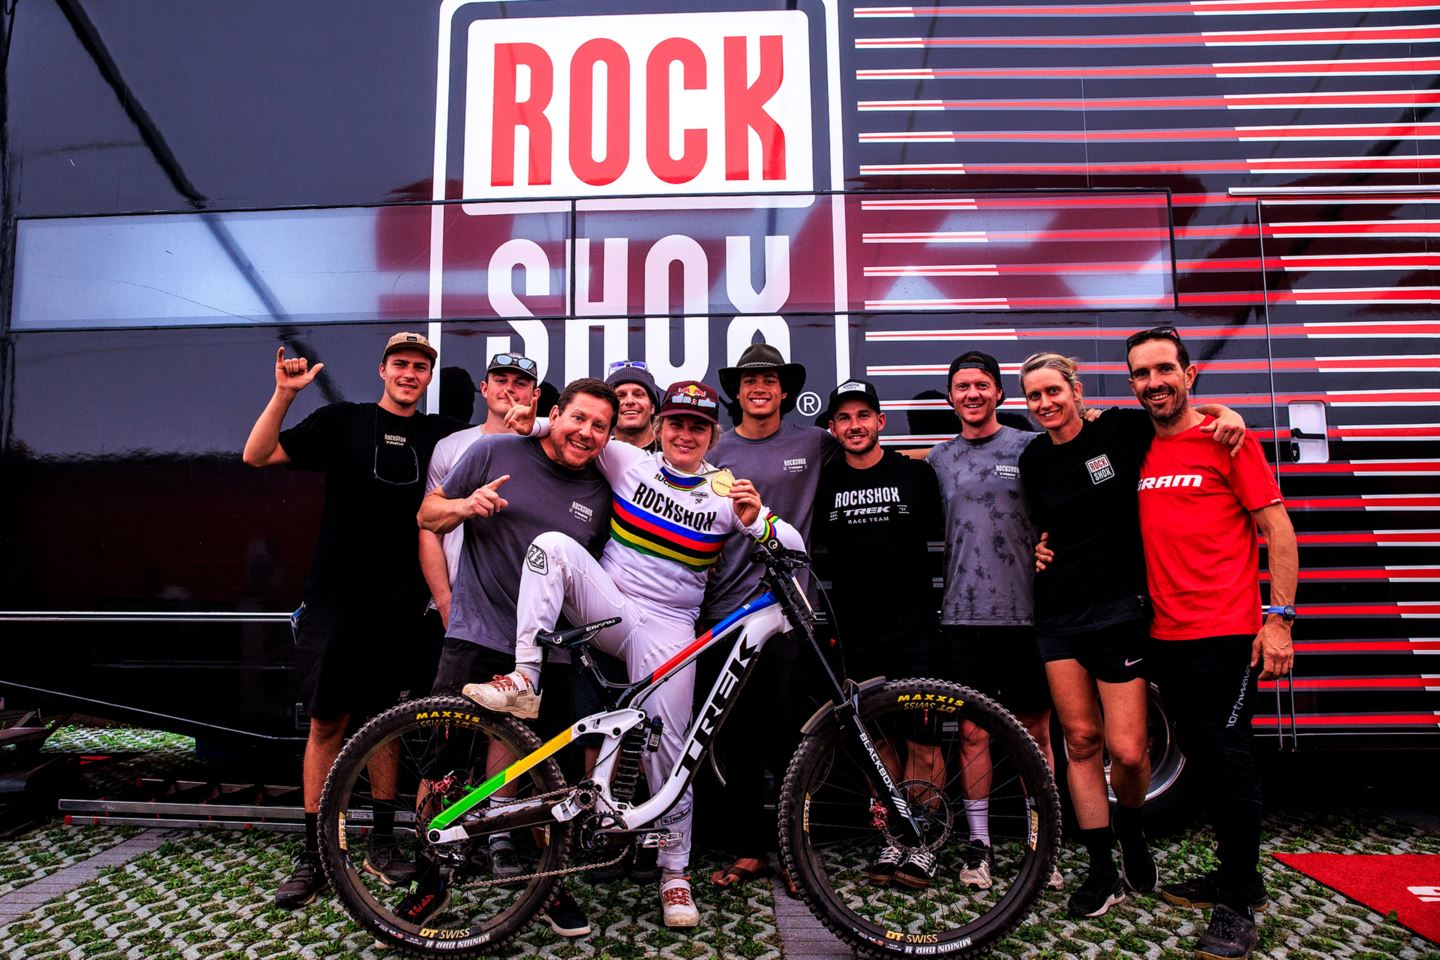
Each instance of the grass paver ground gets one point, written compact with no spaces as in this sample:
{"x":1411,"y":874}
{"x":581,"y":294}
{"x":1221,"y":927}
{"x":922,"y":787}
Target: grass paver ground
{"x":209,"y":895}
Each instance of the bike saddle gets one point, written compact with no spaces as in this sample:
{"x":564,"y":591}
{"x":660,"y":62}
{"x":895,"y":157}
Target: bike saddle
{"x":575,"y":636}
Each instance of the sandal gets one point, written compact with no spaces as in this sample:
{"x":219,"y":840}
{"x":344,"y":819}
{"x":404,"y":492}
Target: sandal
{"x":791,"y":889}
{"x":738,"y":872}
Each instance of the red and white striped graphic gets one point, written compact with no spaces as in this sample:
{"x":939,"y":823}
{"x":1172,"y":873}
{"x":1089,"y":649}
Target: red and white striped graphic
{"x":1391,"y":574}
{"x":1426,"y":33}
{"x":1305,"y":132}
{"x":1237,"y":101}
{"x":1420,"y":163}
{"x":1362,"y":67}
{"x":1368,"y":646}
{"x":1197,"y":8}
{"x":1347,"y":720}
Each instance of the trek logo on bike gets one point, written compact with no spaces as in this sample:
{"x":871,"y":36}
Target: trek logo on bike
{"x":535,"y":560}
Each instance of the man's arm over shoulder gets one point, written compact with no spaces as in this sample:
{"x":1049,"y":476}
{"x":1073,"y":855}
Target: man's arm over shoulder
{"x":831,"y":453}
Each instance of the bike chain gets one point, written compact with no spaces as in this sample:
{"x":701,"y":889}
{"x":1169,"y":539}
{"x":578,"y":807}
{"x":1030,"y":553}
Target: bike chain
{"x":559,"y":872}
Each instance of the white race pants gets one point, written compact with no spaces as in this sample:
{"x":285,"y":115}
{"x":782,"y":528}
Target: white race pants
{"x":560,"y":576}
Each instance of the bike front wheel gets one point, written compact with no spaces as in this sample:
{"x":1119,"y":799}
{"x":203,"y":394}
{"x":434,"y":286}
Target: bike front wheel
{"x":402,"y":768}
{"x":866,"y":878}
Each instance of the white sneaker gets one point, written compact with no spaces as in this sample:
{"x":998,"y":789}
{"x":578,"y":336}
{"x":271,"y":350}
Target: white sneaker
{"x":1056,"y":881}
{"x":509,"y":693}
{"x":975,"y":868}
{"x":677,"y":906}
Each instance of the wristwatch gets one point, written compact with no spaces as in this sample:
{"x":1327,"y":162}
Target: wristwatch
{"x":1286,"y":613}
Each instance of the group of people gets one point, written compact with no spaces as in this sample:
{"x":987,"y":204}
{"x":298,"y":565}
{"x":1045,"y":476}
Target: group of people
{"x":1079,"y":562}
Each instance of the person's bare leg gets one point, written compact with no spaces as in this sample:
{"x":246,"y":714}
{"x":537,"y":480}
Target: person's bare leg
{"x":1038,"y":725}
{"x":383,"y":768}
{"x":1127,"y":708}
{"x":1078,"y":707}
{"x":321,"y":748}
{"x":976,"y":773}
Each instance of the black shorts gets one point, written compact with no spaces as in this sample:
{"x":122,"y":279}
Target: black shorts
{"x":463,"y":662}
{"x":355,"y":660}
{"x":1114,"y":654}
{"x":903,"y":653}
{"x":585,"y":696}
{"x":1001,"y":662}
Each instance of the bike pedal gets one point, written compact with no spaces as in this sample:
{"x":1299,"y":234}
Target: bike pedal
{"x":659,"y":840}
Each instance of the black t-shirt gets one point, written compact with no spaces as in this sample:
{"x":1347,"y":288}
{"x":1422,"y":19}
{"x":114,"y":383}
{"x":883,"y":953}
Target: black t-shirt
{"x":1082,"y":493}
{"x":876,"y":525}
{"x":375,"y":465}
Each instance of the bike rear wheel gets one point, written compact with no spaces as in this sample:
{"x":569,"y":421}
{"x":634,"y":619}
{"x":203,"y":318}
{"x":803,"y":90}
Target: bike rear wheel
{"x":832,"y":833}
{"x":440,"y":748}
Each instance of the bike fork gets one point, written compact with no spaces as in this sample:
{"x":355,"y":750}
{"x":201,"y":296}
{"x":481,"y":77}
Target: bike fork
{"x":894,"y":805}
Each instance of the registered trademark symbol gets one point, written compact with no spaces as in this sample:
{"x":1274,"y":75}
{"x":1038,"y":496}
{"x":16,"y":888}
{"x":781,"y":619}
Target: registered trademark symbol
{"x":809,"y":403}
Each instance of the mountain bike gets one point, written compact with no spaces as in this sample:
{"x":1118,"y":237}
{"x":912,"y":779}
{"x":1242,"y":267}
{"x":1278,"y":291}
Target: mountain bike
{"x":466,"y":777}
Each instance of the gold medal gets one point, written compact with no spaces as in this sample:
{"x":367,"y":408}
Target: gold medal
{"x":721,"y":481}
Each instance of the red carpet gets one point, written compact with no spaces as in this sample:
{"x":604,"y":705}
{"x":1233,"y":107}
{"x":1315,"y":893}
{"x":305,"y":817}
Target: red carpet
{"x":1407,"y":884}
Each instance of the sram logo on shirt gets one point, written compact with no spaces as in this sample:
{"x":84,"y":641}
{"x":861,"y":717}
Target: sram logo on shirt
{"x":1100,"y":469}
{"x":715,"y":102}
{"x":1170,"y":480}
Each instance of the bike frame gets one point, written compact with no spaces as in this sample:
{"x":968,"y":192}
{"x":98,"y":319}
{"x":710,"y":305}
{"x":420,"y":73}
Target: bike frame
{"x":782,"y":608}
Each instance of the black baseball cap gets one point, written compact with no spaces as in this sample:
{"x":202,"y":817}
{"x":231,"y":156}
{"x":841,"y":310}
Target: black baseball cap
{"x":853,"y":390}
{"x":974,"y":360}
{"x":513,"y":361}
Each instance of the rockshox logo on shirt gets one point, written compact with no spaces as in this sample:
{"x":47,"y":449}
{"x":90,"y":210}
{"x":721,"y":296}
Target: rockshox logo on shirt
{"x":859,"y":498}
{"x":795,"y":465}
{"x":652,"y":523}
{"x":1100,"y":469}
{"x":1170,"y":480}
{"x":1009,"y":471}
{"x":580,"y":512}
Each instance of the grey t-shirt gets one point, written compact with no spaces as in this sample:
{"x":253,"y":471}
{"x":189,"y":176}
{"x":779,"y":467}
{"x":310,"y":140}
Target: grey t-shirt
{"x":989,"y":539}
{"x":542,"y":496}
{"x":442,"y":461}
{"x":785,"y":468}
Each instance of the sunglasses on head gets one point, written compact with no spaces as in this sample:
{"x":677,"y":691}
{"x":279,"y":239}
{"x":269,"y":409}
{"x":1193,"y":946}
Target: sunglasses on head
{"x":622,"y":364}
{"x":512,"y":360}
{"x":1166,"y":333}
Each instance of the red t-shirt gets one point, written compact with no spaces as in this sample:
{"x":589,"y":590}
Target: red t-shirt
{"x":1202,"y":554}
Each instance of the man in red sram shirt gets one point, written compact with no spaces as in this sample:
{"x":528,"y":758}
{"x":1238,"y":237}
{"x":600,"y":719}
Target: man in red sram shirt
{"x":1200,"y":510}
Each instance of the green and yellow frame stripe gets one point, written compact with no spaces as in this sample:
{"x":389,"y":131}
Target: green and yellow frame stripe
{"x":513,"y":772}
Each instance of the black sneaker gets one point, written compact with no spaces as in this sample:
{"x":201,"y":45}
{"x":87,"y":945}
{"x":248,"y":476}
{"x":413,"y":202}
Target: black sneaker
{"x":917,"y":869}
{"x":565,"y":916}
{"x":504,"y":862}
{"x":1201,"y":893}
{"x":975,"y":871}
{"x":385,"y":862}
{"x":1230,"y":936}
{"x":1097,"y":895}
{"x":1137,"y":865}
{"x":304,"y":884}
{"x":645,"y":868}
{"x":882,"y":871}
{"x":611,"y":871}
{"x":419,"y":905}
